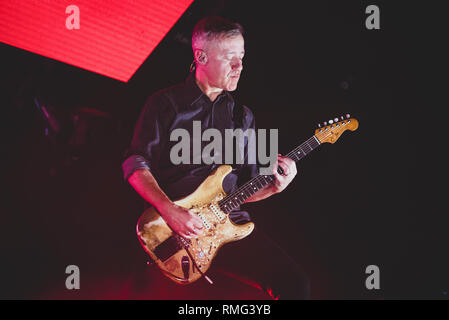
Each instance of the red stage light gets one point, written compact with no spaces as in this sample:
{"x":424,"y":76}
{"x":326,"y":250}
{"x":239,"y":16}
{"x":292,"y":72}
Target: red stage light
{"x":114,"y":39}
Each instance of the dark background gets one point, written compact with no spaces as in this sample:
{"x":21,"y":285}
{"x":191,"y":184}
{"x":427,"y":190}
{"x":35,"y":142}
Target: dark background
{"x":373,"y":197}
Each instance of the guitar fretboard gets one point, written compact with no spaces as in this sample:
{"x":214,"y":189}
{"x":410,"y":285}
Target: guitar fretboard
{"x":239,"y":196}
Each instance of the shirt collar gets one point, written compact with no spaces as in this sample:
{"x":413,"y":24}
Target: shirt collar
{"x":193,"y":93}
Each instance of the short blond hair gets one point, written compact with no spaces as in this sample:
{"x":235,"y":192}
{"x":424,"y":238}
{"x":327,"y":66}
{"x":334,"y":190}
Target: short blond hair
{"x":214,"y":27}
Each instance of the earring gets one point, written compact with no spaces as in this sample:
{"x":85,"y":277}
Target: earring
{"x":192,"y":66}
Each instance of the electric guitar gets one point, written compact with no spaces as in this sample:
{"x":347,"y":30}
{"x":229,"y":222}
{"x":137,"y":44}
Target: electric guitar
{"x":186,"y":260}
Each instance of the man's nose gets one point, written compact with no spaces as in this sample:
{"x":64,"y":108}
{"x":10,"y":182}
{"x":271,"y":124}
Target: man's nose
{"x":237,"y":68}
{"x":237,"y":64}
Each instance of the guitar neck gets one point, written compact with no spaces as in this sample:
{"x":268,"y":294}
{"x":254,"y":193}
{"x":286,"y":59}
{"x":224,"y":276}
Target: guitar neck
{"x":239,"y":196}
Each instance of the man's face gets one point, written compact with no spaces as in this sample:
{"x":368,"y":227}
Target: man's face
{"x":224,"y":62}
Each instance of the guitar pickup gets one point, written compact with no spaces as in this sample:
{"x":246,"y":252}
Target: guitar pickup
{"x":204,"y":220}
{"x":220,"y":215}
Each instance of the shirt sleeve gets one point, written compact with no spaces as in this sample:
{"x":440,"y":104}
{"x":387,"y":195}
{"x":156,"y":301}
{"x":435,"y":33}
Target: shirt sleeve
{"x":150,"y":136}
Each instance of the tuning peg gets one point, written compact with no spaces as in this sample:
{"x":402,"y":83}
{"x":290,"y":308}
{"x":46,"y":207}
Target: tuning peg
{"x":325,"y":123}
{"x":319,"y":125}
{"x":348,"y":116}
{"x":331,"y":121}
{"x":342,"y":118}
{"x":336,"y":119}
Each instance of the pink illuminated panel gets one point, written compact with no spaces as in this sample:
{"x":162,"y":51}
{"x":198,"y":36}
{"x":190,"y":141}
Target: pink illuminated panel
{"x":114,"y":39}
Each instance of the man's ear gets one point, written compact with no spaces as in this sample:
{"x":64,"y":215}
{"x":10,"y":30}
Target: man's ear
{"x":200,"y":56}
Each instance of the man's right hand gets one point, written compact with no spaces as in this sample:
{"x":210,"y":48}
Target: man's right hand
{"x":182,"y":221}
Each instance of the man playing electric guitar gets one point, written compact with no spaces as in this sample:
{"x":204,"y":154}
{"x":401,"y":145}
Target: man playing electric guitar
{"x":218,"y":48}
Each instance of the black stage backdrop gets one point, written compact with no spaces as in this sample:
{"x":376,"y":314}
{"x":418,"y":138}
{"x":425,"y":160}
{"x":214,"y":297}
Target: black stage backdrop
{"x":372,"y":198}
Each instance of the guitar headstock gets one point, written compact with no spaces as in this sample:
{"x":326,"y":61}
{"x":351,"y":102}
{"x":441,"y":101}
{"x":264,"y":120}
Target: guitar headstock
{"x":331,"y":130}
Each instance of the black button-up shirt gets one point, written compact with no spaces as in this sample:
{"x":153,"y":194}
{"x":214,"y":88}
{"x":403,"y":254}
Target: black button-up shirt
{"x":177,"y":107}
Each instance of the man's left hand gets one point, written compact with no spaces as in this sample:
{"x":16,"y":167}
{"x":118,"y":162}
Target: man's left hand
{"x":283,"y":180}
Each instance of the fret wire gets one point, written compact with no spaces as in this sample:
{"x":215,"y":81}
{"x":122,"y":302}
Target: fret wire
{"x":260,"y":181}
{"x":299,"y":147}
{"x":246,"y":187}
{"x":309,"y":146}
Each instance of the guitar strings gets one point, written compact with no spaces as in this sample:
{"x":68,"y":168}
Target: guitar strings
{"x":247,"y":187}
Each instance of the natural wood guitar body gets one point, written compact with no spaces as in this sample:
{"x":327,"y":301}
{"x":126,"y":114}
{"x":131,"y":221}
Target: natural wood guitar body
{"x":169,"y":250}
{"x":185,"y":261}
